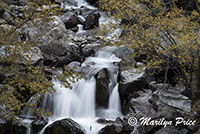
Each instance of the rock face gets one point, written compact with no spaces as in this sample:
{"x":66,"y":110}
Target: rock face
{"x":102,"y":87}
{"x":65,"y":126}
{"x":118,"y":127}
{"x":172,"y":130}
{"x":92,"y":21}
{"x":37,"y":125}
{"x":73,"y":21}
{"x":6,"y":128}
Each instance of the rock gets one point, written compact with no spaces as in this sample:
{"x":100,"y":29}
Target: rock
{"x":64,"y":126}
{"x":172,"y":96}
{"x":126,"y":56}
{"x":59,"y":55}
{"x":198,"y":132}
{"x":155,"y":104}
{"x":172,"y":130}
{"x":35,"y":55}
{"x":6,"y":16}
{"x":57,"y":1}
{"x":38,"y":125}
{"x":93,"y":2}
{"x":73,"y":21}
{"x":19,"y":128}
{"x":46,"y":32}
{"x":92,"y":21}
{"x":102,"y":87}
{"x":71,"y":2}
{"x":118,"y":127}
{"x":75,"y":29}
{"x":2,"y":21}
{"x":108,"y":130}
{"x":23,"y":2}
{"x":6,"y":128}
{"x":75,"y":66}
{"x":1,"y":11}
{"x":55,"y":43}
{"x":104,"y":121}
{"x":2,"y":78}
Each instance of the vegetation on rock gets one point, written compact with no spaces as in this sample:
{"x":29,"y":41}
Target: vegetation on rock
{"x":21,"y":78}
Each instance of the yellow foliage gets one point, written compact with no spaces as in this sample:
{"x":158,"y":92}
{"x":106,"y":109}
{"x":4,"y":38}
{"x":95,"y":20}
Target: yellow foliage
{"x":160,"y":31}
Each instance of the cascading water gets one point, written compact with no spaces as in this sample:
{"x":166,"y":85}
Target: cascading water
{"x":79,"y":102}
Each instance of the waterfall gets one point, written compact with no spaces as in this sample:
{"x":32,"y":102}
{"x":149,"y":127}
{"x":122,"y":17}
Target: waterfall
{"x":79,"y":102}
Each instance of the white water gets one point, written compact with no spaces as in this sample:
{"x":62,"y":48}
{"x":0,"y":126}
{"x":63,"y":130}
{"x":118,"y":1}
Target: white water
{"x":79,"y":102}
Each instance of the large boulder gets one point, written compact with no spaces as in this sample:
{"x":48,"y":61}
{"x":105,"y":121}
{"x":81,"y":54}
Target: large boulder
{"x":92,"y":21}
{"x":38,"y":125}
{"x":73,"y":21}
{"x":155,"y":104}
{"x":118,"y":127}
{"x":64,"y":126}
{"x":102,"y":87}
{"x":6,"y":128}
{"x":55,"y":43}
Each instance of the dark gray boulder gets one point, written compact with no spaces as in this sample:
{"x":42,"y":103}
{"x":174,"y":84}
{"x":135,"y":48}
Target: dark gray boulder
{"x":37,"y":125}
{"x":6,"y":128}
{"x":92,"y":21}
{"x":118,"y":127}
{"x":102,"y":87}
{"x":73,"y":21}
{"x":64,"y":126}
{"x":93,"y":2}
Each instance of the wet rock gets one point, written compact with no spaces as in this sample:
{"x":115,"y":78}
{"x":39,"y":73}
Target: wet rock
{"x":6,"y":128}
{"x":19,"y":128}
{"x":155,"y":104}
{"x":102,"y":87}
{"x":57,"y":1}
{"x":37,"y":125}
{"x":118,"y":127}
{"x":172,"y":96}
{"x":64,"y":126}
{"x":71,"y":2}
{"x":73,"y":21}
{"x":56,"y":54}
{"x":92,"y":2}
{"x":74,"y":29}
{"x":108,"y":130}
{"x":92,"y":21}
{"x":104,"y":121}
{"x":126,"y":56}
